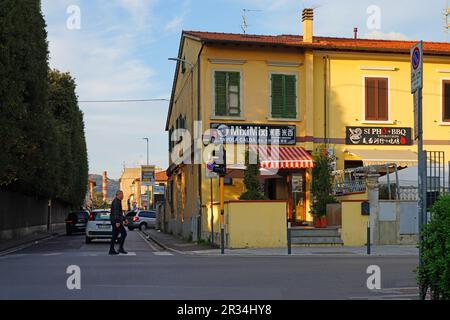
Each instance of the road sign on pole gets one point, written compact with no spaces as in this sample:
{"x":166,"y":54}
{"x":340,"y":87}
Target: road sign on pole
{"x":417,"y":67}
{"x":147,"y":176}
{"x":416,"y":89}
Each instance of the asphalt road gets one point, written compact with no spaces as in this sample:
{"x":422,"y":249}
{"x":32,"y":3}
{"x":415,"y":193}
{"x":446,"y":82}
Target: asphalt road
{"x":148,"y":272}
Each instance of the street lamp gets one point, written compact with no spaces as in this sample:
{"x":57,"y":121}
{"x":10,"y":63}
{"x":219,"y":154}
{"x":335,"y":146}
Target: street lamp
{"x":183,"y":60}
{"x":147,"y":149}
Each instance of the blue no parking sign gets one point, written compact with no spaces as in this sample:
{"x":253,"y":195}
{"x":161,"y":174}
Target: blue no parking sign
{"x":417,"y":67}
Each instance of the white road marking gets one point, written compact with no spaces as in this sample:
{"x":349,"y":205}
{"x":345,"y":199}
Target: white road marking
{"x":129,"y":254}
{"x":162,"y":253}
{"x":52,"y":254}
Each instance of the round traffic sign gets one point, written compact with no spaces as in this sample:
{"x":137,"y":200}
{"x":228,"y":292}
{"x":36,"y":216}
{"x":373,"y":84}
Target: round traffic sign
{"x":416,"y":58}
{"x":210,"y":166}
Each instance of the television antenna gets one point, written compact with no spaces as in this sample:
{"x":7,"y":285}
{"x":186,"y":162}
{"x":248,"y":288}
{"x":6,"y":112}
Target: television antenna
{"x":244,"y":24}
{"x":446,"y":14}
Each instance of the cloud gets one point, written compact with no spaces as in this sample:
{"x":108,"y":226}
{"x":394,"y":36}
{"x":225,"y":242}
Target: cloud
{"x":106,"y":58}
{"x":174,"y":24}
{"x":376,"y":34}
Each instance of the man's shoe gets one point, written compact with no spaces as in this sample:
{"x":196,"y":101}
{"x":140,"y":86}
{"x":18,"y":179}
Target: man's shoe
{"x":113,"y":252}
{"x":122,"y":251}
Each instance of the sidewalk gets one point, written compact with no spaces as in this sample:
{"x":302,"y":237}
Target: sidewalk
{"x":9,"y":246}
{"x":376,"y":251}
{"x":173,"y":243}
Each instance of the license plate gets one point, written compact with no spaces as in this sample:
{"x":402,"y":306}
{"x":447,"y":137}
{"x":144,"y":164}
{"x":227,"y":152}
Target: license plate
{"x":104,"y":226}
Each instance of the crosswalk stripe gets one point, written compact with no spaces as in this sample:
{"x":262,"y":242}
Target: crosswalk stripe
{"x":162,"y":253}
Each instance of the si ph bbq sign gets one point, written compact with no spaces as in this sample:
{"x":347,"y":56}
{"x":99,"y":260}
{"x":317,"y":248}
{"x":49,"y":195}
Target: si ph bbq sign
{"x":417,"y":67}
{"x":378,"y":136}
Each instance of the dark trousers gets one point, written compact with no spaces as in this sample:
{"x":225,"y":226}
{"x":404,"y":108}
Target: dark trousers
{"x":115,"y":235}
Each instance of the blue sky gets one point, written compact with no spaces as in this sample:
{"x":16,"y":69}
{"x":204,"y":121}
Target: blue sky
{"x":121,"y":51}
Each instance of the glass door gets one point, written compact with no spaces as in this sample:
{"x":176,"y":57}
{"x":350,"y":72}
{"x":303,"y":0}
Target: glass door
{"x":297,"y":198}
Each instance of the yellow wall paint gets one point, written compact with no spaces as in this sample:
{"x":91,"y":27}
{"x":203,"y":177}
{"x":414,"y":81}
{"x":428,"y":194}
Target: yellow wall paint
{"x":354,"y":225}
{"x":256,"y":224}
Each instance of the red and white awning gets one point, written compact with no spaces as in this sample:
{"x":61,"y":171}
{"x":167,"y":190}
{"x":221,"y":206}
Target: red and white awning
{"x":283,"y":157}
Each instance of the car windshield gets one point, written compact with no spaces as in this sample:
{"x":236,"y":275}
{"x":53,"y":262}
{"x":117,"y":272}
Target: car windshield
{"x":101,"y":215}
{"x":131,"y":213}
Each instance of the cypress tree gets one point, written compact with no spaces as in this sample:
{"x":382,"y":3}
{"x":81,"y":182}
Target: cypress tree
{"x":253,"y":187}
{"x":23,"y":96}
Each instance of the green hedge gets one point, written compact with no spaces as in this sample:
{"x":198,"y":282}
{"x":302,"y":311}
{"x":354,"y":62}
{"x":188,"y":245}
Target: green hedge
{"x":41,"y":127}
{"x":434,"y":274}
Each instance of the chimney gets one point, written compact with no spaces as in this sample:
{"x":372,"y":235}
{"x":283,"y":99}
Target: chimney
{"x":355,"y":33}
{"x":104,"y":185}
{"x":307,"y":19}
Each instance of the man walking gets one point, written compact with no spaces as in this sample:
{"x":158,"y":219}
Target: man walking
{"x":117,"y":222}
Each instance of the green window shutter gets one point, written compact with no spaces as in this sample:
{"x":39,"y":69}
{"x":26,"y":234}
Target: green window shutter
{"x":277,"y":96}
{"x":220,"y":79}
{"x":290,"y":96}
{"x":233,"y":93}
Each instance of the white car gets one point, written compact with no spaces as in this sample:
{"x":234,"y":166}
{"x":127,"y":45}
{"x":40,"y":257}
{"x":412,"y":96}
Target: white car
{"x":98,"y":226}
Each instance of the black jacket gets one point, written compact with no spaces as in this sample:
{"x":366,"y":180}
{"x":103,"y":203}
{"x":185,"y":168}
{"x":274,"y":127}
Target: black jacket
{"x":116,"y":211}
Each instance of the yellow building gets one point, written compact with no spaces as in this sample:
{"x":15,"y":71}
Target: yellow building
{"x":131,"y":190}
{"x":352,"y":94}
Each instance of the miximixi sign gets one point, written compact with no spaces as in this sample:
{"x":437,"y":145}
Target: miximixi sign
{"x":378,"y":136}
{"x":255,"y":133}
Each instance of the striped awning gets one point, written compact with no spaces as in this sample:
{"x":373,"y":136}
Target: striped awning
{"x":283,"y":157}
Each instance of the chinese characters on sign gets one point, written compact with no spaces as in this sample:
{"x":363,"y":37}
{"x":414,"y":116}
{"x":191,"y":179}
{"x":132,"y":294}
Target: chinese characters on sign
{"x":378,"y":136}
{"x":255,"y":134}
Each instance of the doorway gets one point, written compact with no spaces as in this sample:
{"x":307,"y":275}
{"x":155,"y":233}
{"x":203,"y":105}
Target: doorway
{"x":298,"y":198}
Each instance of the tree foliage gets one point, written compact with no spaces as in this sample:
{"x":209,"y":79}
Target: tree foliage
{"x":434,"y":274}
{"x":41,"y":127}
{"x":253,"y":190}
{"x":322,"y":186}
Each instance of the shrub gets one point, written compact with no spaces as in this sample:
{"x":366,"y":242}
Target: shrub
{"x":322,"y":185}
{"x":434,"y":274}
{"x":252,"y":185}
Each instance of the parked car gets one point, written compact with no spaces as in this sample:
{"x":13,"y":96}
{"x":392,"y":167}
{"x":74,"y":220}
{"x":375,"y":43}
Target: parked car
{"x":98,"y":226}
{"x":141,"y":219}
{"x":76,"y":221}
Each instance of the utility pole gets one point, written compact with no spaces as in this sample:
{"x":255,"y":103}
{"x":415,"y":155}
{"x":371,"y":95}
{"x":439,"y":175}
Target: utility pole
{"x":222,"y":214}
{"x":148,"y":191}
{"x":212,"y":212}
{"x":416,"y":89}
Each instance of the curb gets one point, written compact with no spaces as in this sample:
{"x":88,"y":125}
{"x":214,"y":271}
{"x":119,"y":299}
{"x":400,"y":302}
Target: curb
{"x":162,"y":245}
{"x":29,"y":243}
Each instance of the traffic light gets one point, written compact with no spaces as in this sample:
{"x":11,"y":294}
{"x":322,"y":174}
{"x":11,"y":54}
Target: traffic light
{"x":219,"y":163}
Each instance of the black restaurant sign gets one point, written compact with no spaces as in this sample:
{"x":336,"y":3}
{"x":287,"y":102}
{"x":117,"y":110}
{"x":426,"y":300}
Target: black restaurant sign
{"x":233,"y":133}
{"x":378,"y":136}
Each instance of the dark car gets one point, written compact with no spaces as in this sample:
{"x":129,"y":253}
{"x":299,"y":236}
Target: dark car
{"x":76,"y":222}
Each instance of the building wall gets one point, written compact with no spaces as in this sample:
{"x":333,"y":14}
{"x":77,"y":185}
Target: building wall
{"x":354,"y":225}
{"x":249,"y":224}
{"x":336,"y":85}
{"x":186,"y":187}
{"x":346,"y":99}
{"x":126,"y":182}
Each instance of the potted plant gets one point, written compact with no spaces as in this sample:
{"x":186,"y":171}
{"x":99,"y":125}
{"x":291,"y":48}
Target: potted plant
{"x":322,"y":185}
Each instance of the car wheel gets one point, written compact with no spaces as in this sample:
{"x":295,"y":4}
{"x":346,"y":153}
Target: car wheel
{"x":143,"y":226}
{"x":88,"y":240}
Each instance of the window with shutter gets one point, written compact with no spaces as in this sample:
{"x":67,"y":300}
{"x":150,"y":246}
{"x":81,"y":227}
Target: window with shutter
{"x":446,"y":100}
{"x":227,"y":93}
{"x":284,"y":96}
{"x":376,"y":99}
